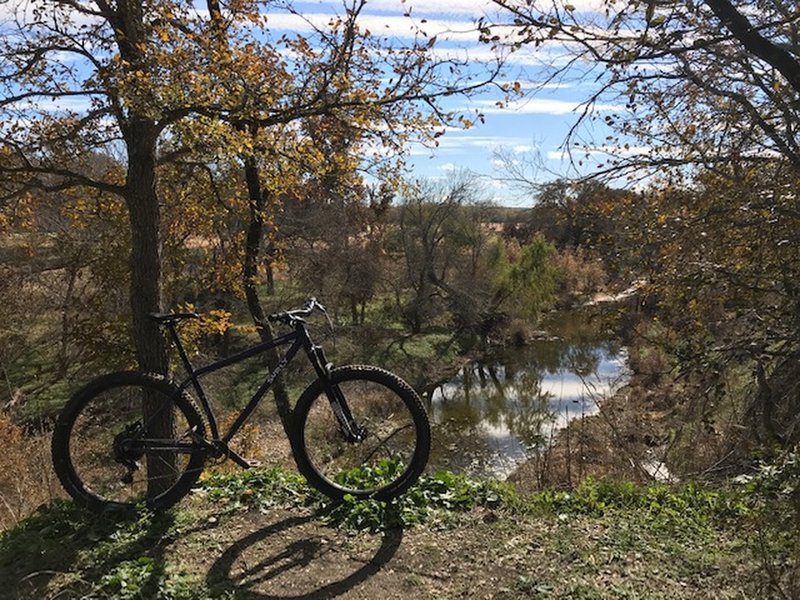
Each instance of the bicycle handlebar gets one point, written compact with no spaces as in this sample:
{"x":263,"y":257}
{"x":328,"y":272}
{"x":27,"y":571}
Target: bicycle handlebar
{"x":293,"y":316}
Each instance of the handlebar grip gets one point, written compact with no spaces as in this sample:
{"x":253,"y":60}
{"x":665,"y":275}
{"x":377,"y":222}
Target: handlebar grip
{"x":287,"y":316}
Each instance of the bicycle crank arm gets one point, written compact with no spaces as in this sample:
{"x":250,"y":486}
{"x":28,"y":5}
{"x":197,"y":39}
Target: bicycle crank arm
{"x":220,"y":448}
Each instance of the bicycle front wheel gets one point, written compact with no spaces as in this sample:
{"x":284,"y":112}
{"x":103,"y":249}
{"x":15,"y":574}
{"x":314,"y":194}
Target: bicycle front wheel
{"x":128,"y":438}
{"x":371,"y":439}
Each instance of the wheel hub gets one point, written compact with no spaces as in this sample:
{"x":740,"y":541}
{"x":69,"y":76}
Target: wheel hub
{"x":356,"y":435}
{"x":125,"y":451}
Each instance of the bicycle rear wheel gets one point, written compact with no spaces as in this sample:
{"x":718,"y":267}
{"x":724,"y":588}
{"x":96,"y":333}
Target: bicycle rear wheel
{"x":392,"y":444}
{"x":106,"y":454}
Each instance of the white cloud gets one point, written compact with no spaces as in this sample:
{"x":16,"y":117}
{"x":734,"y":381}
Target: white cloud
{"x":541,"y":106}
{"x":557,"y":155}
{"x":388,"y":25}
{"x":626,"y":150}
{"x":468,"y":143}
{"x":474,"y":8}
{"x":48,"y":105}
{"x":481,"y":141}
{"x":16,"y":12}
{"x":531,"y":84}
{"x":455,"y":144}
{"x":592,"y":5}
{"x":443,"y":29}
{"x":600,"y":152}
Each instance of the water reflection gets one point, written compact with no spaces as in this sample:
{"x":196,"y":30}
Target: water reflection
{"x":495,"y":411}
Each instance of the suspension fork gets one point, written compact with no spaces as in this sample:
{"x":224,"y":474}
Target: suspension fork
{"x":351,"y":430}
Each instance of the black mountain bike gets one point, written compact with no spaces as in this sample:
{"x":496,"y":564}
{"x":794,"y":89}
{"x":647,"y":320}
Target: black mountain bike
{"x":357,"y":429}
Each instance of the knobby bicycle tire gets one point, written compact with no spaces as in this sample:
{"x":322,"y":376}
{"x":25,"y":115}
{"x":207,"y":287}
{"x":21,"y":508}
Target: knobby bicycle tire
{"x":89,"y":450}
{"x":396,"y":435}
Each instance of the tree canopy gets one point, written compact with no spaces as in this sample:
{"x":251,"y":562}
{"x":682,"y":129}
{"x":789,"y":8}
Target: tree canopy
{"x":711,"y":83}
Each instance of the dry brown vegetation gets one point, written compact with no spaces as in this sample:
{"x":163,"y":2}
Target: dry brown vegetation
{"x":27,"y":479}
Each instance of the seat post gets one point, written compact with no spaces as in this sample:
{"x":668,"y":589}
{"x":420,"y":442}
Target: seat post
{"x":181,"y":352}
{"x":212,"y":421}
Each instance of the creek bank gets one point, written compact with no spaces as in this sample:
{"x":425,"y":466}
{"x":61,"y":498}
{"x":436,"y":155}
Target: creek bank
{"x":623,"y":441}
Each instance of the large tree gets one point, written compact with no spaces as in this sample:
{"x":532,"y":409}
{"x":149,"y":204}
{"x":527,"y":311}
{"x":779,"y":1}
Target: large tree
{"x":304,"y":125}
{"x":82,"y":79}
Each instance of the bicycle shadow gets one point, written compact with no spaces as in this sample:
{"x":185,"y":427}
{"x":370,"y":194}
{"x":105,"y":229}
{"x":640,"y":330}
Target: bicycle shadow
{"x":293,"y":559}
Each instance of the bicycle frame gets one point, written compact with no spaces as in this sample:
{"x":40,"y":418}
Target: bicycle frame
{"x":296,"y":340}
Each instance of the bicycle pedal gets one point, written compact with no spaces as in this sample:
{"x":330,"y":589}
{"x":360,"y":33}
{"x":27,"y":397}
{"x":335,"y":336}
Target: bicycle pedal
{"x":252,"y":463}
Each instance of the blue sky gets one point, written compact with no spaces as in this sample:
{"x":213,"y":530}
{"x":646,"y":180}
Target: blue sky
{"x":530,"y":128}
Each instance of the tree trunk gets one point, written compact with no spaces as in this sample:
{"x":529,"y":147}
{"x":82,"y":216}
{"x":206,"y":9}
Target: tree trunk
{"x":255,"y":232}
{"x":73,"y":270}
{"x":145,"y":288}
{"x":777,"y":399}
{"x":270,"y":278}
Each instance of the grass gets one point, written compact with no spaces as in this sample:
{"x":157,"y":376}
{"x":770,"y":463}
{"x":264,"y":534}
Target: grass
{"x":249,"y":534}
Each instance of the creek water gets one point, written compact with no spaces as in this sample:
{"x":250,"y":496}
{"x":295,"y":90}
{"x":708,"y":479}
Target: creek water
{"x":497,"y":410}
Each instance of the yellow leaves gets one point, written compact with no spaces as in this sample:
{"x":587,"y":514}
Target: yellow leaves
{"x":217,"y":321}
{"x":87,"y":210}
{"x":249,"y":328}
{"x":214,"y":322}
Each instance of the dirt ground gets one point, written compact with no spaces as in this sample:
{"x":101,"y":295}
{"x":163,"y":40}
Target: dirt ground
{"x":289,"y":555}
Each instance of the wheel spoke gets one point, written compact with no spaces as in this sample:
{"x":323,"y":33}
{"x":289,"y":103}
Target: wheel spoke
{"x":382,"y":442}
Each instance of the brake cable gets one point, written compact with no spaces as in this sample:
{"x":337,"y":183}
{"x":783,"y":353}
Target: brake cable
{"x":330,"y":325}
